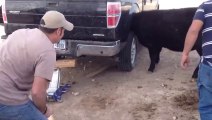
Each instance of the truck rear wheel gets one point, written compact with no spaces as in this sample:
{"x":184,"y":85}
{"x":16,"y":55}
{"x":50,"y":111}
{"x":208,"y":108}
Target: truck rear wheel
{"x":127,"y":56}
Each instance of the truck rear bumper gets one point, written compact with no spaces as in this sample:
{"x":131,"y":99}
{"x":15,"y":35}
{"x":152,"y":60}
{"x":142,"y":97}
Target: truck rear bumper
{"x":93,"y":48}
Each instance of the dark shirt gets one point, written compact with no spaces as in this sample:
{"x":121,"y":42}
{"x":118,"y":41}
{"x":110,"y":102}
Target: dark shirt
{"x":204,"y":13}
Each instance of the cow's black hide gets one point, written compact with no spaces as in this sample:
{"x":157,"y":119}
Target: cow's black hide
{"x":164,"y":28}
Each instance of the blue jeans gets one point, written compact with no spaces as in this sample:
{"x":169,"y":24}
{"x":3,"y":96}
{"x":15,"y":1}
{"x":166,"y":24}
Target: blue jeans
{"x":27,"y":111}
{"x":204,"y":84}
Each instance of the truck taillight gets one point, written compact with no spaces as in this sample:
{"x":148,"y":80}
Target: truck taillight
{"x":4,"y":15}
{"x":113,"y":14}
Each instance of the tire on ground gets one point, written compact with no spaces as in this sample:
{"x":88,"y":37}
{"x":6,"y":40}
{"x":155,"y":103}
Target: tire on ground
{"x":127,"y":57}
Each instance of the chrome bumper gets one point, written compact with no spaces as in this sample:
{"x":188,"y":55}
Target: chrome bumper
{"x":92,"y":48}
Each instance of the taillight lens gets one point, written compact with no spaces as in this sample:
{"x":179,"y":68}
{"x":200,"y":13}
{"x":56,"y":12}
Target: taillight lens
{"x":4,"y":15}
{"x":113,"y":14}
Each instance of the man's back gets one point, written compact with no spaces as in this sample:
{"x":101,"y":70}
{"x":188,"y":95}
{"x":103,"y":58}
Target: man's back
{"x":24,"y":52}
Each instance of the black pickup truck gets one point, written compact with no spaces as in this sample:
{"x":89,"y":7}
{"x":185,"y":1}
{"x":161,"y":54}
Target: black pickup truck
{"x":1,"y":19}
{"x":102,"y":27}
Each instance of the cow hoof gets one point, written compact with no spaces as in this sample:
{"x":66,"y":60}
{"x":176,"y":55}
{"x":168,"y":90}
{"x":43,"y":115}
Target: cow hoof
{"x":194,"y":76}
{"x":150,"y":70}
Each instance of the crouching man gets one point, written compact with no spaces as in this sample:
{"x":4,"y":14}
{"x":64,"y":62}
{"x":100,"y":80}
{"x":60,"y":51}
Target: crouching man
{"x":27,"y":60}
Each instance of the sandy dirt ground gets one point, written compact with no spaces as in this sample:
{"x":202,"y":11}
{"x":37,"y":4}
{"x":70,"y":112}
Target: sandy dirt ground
{"x":167,"y":94}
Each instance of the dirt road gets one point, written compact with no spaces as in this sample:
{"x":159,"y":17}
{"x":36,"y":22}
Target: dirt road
{"x":166,"y":94}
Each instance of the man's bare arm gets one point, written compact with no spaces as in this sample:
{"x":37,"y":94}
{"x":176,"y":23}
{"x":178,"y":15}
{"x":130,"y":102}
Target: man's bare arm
{"x":192,"y":35}
{"x":190,"y":40}
{"x":39,"y":88}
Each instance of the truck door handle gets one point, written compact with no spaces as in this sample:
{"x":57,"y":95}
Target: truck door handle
{"x":52,"y":4}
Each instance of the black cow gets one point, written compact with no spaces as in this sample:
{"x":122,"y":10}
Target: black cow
{"x":164,"y":28}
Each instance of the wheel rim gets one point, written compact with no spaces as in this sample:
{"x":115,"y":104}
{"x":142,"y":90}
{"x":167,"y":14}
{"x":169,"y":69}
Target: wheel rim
{"x":133,"y":51}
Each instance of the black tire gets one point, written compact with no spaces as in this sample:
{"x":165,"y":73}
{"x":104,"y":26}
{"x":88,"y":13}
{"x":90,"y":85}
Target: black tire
{"x":127,"y":57}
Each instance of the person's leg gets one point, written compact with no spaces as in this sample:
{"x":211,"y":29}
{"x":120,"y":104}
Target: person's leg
{"x":205,"y":103}
{"x":21,"y":112}
{"x":205,"y":92}
{"x":7,"y":113}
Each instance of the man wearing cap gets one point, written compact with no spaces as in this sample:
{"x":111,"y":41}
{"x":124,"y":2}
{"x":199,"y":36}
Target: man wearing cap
{"x":27,"y":59}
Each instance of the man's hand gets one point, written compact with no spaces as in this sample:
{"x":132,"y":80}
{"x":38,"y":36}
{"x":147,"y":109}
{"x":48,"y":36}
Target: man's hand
{"x":184,"y":61}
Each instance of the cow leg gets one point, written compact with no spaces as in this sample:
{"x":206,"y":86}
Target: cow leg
{"x":195,"y":73}
{"x":158,"y":55}
{"x":153,"y":58}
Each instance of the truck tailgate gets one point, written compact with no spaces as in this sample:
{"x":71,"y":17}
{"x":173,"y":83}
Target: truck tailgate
{"x":25,"y":12}
{"x":88,"y":16}
{"x":81,"y":13}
